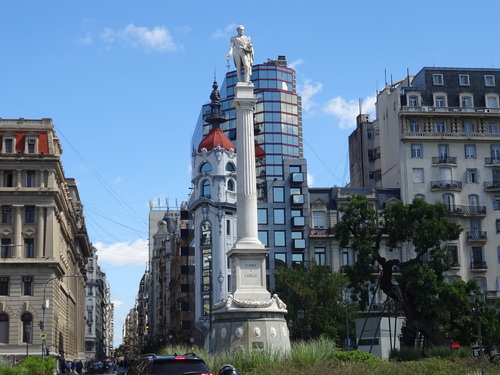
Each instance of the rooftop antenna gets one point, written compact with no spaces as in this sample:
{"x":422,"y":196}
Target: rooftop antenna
{"x":385,"y":77}
{"x":360,"y":103}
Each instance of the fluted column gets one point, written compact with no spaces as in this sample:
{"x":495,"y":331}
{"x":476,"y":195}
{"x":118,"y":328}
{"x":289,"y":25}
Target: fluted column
{"x":244,"y":103}
{"x":39,"y":232}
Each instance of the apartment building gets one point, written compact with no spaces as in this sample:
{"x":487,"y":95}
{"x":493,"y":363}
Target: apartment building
{"x":437,"y":137}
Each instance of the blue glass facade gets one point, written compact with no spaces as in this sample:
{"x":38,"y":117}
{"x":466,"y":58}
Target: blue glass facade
{"x":278,"y":119}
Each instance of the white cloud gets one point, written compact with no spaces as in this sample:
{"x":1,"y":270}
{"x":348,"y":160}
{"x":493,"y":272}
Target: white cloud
{"x":118,"y":180}
{"x":156,"y":39}
{"x":310,"y":179}
{"x":86,"y":39}
{"x":124,"y":253}
{"x":347,"y":111}
{"x":225,"y":32}
{"x":295,"y":64}
{"x":307,"y":90}
{"x":117,"y":303}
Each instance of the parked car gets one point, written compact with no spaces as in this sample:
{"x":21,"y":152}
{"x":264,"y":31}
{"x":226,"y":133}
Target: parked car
{"x":97,"y":368}
{"x":188,"y":363}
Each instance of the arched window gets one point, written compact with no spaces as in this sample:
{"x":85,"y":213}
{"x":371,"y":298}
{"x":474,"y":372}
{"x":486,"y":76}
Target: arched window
{"x":4,"y":328}
{"x":205,"y":167}
{"x":27,"y":320}
{"x":230,"y":167}
{"x":230,"y":185}
{"x":420,"y":196}
{"x":206,"y":233}
{"x":205,"y":189}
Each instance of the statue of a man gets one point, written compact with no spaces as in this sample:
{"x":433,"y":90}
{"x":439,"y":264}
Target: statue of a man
{"x":241,"y":48}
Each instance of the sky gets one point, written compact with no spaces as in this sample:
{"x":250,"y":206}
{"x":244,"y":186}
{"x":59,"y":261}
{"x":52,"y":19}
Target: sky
{"x":124,"y":81}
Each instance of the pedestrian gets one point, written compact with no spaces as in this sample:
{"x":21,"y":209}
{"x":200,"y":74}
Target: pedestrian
{"x":79,"y":367}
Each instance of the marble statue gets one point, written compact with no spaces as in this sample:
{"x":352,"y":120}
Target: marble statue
{"x":241,"y":48}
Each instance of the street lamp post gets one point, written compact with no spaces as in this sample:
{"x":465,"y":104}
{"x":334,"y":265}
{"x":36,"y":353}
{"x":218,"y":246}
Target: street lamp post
{"x":45,"y":304}
{"x":477,"y":302}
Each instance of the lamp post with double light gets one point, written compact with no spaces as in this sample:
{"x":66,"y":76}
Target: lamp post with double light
{"x":45,"y":305}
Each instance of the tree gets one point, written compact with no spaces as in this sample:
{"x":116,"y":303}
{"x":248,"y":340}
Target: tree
{"x":417,"y":283}
{"x":318,"y":293}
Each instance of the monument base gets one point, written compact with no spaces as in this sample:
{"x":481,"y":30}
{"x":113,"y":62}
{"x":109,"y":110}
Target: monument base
{"x":244,"y":326}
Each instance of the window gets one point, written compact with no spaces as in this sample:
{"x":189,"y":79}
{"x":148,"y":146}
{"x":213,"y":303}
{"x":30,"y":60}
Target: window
{"x":279,"y":238}
{"x":440,"y":127}
{"x":437,"y":79}
{"x":262,"y":216}
{"x":414,"y":126}
{"x":29,"y":248}
{"x":4,"y":327}
{"x":205,"y":167}
{"x":27,"y":286}
{"x":295,"y":169}
{"x":471,"y":175}
{"x":496,"y":202}
{"x":497,"y":225}
{"x":413,"y":101}
{"x":297,"y":259}
{"x":206,"y":233}
{"x":318,"y":219}
{"x":30,"y":179}
{"x":230,"y":167}
{"x":477,"y":259}
{"x":205,"y":189}
{"x":493,"y":128}
{"x":279,"y":216}
{"x":6,"y":246}
{"x":463,"y":79}
{"x":470,"y":151}
{"x":320,"y":256}
{"x":449,"y":200}
{"x":4,"y":286}
{"x":489,"y":80}
{"x":279,"y":260}
{"x":468,"y":127}
{"x":416,"y":151}
{"x":453,"y":252}
{"x":8,"y":179}
{"x":9,"y":146}
{"x":418,"y":175}
{"x":440,"y":101}
{"x":263,"y":237}
{"x":346,"y":257}
{"x":466,"y":101}
{"x":278,"y":194}
{"x":6,"y":214}
{"x":420,"y":196}
{"x":230,"y":185}
{"x":492,"y":101}
{"x":26,"y":320}
{"x":29,"y":214}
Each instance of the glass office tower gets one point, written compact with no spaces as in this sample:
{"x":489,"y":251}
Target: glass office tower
{"x":278,"y":117}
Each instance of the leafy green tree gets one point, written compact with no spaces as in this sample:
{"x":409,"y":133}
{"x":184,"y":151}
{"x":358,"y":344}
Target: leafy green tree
{"x":318,"y":293}
{"x":416,"y":284}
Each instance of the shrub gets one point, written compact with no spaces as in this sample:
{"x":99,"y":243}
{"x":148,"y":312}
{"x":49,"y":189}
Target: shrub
{"x":37,"y":365}
{"x":356,"y":356}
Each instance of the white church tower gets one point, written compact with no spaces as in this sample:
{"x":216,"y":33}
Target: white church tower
{"x":213,"y":213}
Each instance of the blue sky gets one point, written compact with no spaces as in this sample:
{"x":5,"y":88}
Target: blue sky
{"x":124,"y":82}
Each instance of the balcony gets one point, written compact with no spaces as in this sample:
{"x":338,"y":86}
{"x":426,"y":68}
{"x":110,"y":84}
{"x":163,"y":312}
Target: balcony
{"x":296,"y":178}
{"x":492,"y":186}
{"x":448,"y":185}
{"x":298,"y":199}
{"x":477,"y":236}
{"x":457,"y":210}
{"x":478,"y":265}
{"x":299,"y":244}
{"x":298,"y":221}
{"x":320,"y":232}
{"x":492,"y":161}
{"x":444,"y":160}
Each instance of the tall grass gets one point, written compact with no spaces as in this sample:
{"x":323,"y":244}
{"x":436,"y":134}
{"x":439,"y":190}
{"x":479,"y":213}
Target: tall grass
{"x":322,"y":357}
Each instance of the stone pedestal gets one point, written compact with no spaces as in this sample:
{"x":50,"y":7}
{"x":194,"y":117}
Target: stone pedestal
{"x":249,"y":319}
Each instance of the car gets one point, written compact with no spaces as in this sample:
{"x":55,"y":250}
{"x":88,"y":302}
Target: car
{"x":97,"y":368}
{"x":184,"y":364}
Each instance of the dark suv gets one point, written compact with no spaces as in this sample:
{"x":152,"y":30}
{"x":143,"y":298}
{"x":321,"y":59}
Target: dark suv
{"x":185,"y":364}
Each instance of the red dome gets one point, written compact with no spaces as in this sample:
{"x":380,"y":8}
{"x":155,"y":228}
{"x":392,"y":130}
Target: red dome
{"x":216,"y":137}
